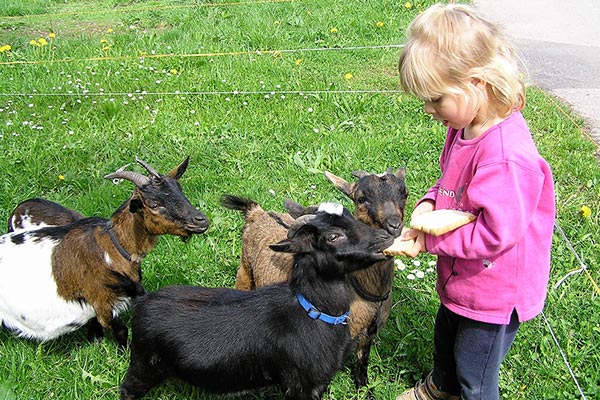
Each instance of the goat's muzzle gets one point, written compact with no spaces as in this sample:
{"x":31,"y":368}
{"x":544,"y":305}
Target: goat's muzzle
{"x":199,"y":224}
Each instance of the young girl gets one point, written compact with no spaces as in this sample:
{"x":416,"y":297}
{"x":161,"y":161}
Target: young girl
{"x":493,"y":272}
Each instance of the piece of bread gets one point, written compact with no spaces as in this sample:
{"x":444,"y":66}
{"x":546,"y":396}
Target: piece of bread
{"x":399,"y":247}
{"x":438,"y":222}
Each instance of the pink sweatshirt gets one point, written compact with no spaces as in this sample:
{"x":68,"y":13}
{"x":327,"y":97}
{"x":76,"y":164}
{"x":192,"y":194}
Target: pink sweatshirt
{"x":500,"y":262}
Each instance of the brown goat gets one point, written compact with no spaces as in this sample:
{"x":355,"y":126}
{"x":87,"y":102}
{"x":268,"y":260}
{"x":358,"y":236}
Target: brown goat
{"x":379,"y":201}
{"x":55,"y":279}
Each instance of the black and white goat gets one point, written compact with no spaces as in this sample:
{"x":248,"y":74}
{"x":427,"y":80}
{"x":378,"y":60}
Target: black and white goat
{"x":37,"y":213}
{"x":293,"y":335}
{"x":55,"y":279}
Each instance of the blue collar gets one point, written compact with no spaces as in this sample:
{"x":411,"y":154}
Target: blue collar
{"x":314,"y":313}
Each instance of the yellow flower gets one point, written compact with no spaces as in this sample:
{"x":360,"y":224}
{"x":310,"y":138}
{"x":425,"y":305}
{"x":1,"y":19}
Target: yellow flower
{"x":379,"y":24}
{"x":4,"y":48}
{"x":333,"y":30}
{"x":276,"y":22}
{"x":103,"y":41}
{"x":298,"y":61}
{"x":173,"y":71}
{"x":408,"y":4}
{"x":348,"y":76}
{"x":109,"y":30}
{"x":585,"y":211}
{"x":106,"y":48}
{"x":42,"y":41}
{"x":52,"y":35}
{"x":61,"y":177}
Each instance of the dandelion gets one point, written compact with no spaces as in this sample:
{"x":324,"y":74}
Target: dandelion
{"x":348,"y":76}
{"x":276,"y":22}
{"x":42,"y":41}
{"x":333,"y":29}
{"x":585,"y":211}
{"x":109,"y":30}
{"x":34,"y":42}
{"x":379,"y":24}
{"x":61,"y":178}
{"x":52,"y":35}
{"x":298,"y":61}
{"x":5,"y":48}
{"x":173,"y":71}
{"x":408,"y":5}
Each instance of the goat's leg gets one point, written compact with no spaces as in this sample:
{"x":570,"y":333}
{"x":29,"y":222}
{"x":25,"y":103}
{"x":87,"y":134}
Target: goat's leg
{"x":300,"y":389}
{"x":120,"y":332}
{"x":360,"y":373}
{"x":95,"y":332}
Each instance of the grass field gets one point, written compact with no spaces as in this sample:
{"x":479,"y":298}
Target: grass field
{"x":264,"y":96}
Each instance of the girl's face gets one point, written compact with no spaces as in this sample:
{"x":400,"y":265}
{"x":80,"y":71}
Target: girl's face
{"x":453,"y":110}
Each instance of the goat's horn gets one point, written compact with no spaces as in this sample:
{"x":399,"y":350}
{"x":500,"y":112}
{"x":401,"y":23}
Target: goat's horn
{"x":138,"y":179}
{"x":299,"y":223}
{"x":151,"y":170}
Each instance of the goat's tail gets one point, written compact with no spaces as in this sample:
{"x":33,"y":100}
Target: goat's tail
{"x":238,"y":203}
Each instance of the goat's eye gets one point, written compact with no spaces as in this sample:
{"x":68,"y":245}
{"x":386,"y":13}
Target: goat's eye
{"x":332,"y":237}
{"x":153,"y":204}
{"x":362,"y":200}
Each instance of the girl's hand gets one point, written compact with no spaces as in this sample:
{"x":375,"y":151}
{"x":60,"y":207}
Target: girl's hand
{"x":418,"y":239}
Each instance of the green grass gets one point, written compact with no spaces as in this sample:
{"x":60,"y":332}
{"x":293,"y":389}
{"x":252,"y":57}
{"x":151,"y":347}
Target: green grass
{"x":263,"y":125}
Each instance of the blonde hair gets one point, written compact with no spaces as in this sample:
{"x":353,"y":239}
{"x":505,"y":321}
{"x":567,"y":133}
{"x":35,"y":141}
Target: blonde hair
{"x":450,"y":45}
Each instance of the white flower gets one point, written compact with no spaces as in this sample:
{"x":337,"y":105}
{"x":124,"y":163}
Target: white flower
{"x":416,"y":263}
{"x":400,"y":265}
{"x":420,"y":274}
{"x":410,"y":277}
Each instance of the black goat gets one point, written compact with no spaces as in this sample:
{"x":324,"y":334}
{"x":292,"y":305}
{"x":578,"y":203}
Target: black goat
{"x":293,"y":335}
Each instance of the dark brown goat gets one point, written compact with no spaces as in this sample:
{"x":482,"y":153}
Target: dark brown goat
{"x":379,"y":201}
{"x":55,"y":279}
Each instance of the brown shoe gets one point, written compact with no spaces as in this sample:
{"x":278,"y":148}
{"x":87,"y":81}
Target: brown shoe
{"x":425,"y":389}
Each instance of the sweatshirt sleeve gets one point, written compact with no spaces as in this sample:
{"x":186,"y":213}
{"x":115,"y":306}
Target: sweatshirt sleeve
{"x":506,"y":194}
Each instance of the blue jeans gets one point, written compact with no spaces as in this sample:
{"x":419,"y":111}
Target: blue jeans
{"x":468,"y":354}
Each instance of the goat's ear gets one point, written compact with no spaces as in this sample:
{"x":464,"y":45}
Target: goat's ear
{"x":340,"y":183}
{"x":176,"y":172}
{"x":298,"y":243}
{"x":285,"y":246}
{"x":294,"y":245}
{"x":401,"y":173}
{"x":297,"y":210}
{"x":135,"y":205}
